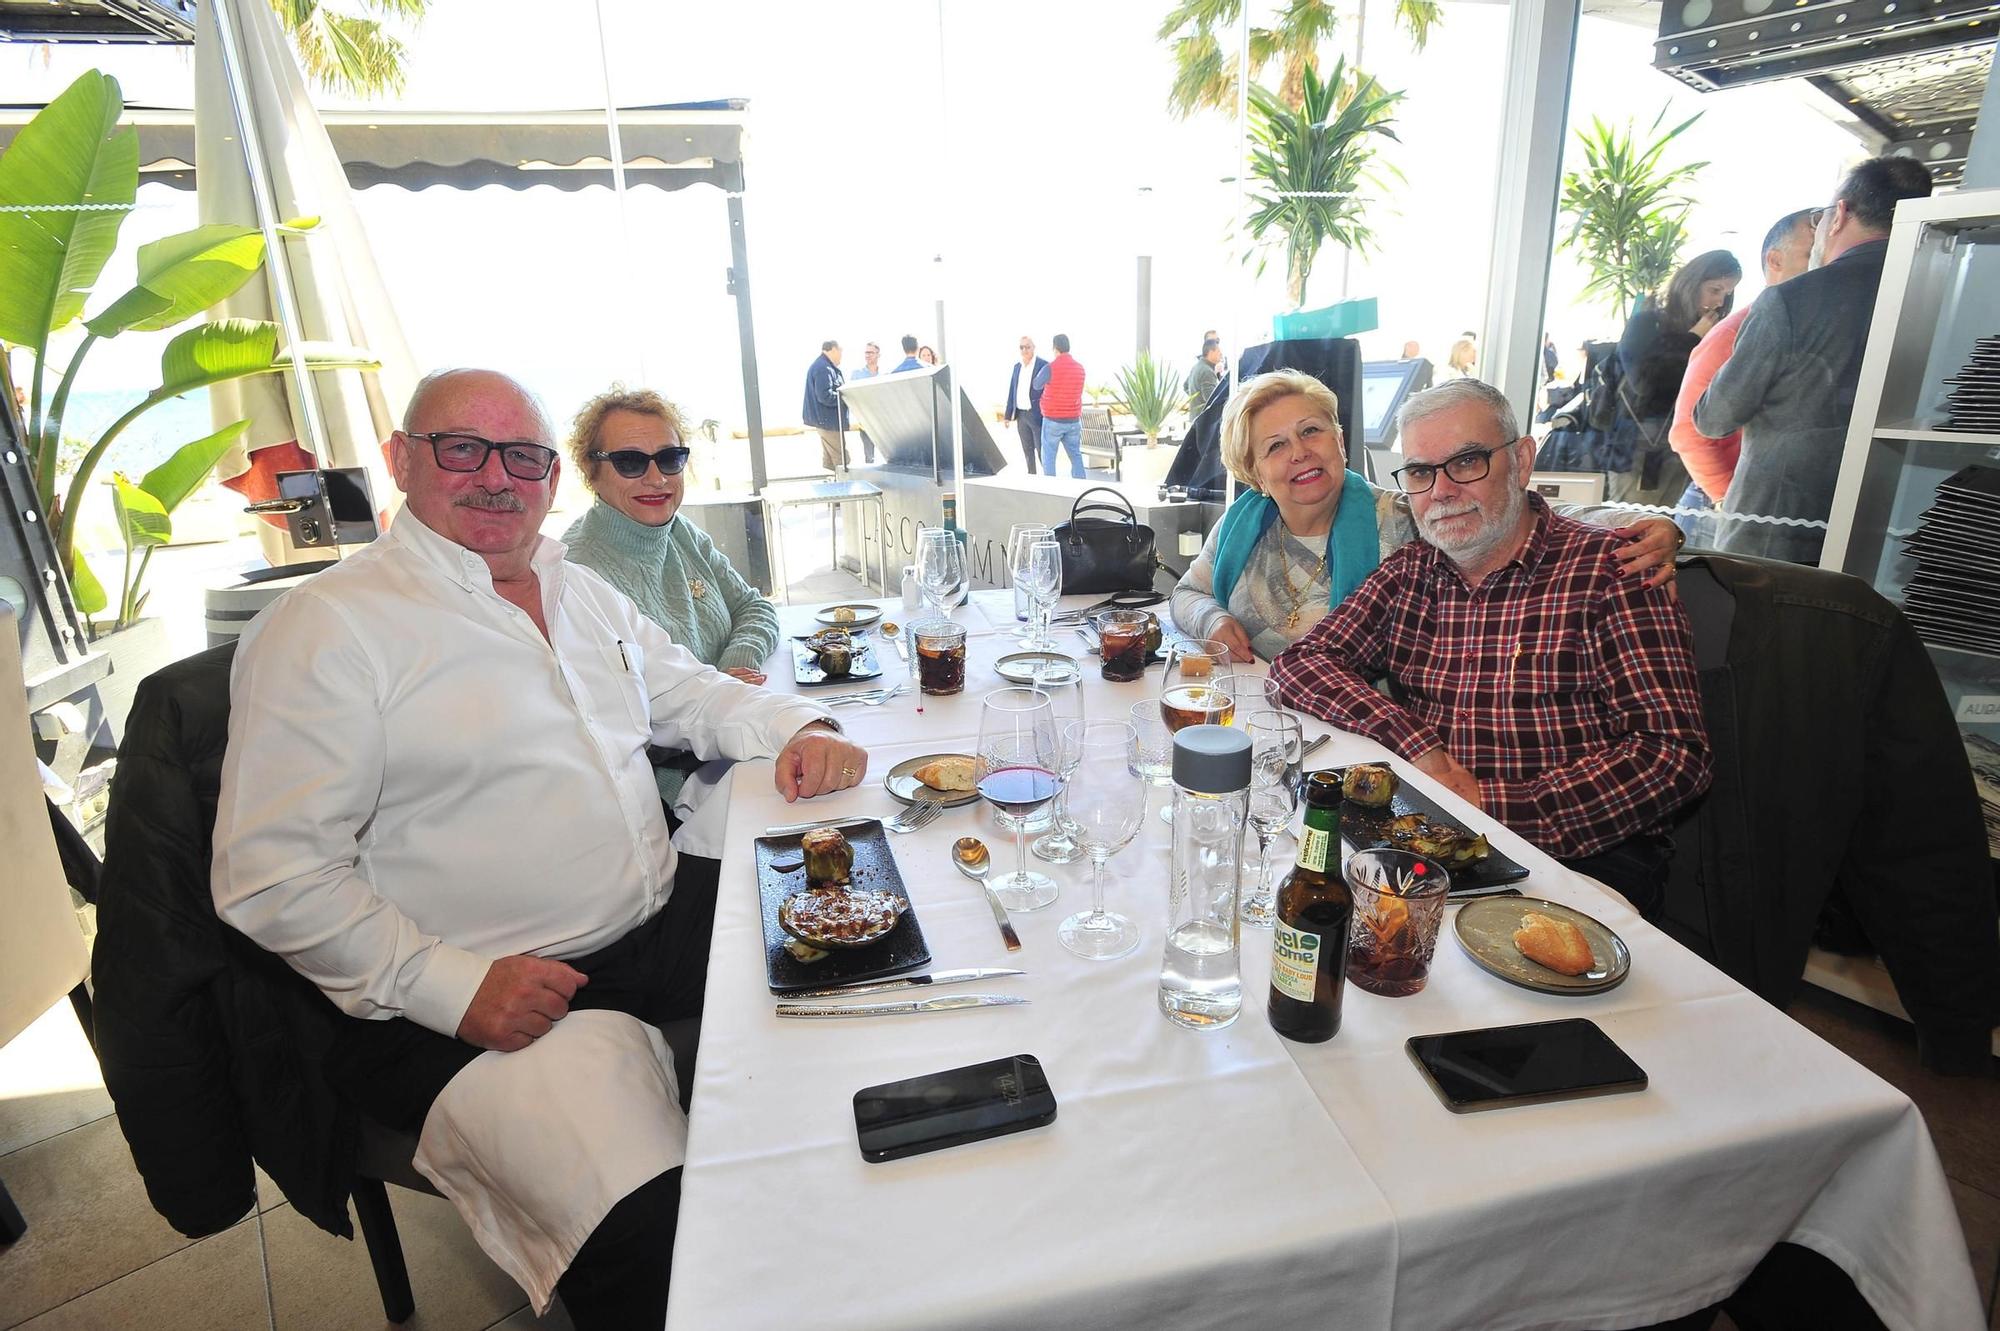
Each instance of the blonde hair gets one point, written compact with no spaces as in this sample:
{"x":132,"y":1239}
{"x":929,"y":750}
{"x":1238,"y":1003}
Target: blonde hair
{"x":589,"y":423}
{"x":1464,"y":355}
{"x":1252,"y":396}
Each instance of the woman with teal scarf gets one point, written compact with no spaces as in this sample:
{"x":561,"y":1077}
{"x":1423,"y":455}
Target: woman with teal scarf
{"x":1306,"y":531}
{"x":630,"y":449}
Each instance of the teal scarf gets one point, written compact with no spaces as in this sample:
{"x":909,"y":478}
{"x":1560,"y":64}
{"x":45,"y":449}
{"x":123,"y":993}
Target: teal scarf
{"x":1353,"y":544}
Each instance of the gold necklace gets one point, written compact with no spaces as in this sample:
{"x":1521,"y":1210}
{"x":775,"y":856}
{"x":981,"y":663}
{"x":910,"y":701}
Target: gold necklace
{"x":1298,"y":595}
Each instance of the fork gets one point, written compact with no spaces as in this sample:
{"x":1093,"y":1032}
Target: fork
{"x":870,"y":697}
{"x":920,"y":814}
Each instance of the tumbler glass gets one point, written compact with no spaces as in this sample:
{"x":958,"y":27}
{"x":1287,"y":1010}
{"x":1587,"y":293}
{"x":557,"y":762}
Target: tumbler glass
{"x":1398,"y":904}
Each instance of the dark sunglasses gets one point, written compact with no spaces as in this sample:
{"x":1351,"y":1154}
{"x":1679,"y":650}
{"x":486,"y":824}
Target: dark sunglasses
{"x":631,"y":463}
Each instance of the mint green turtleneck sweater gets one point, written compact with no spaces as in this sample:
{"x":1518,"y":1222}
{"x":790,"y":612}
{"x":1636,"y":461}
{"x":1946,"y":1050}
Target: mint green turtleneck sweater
{"x":730,"y":624}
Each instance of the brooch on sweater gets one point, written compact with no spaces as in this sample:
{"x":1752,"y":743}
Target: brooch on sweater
{"x":698,"y":588}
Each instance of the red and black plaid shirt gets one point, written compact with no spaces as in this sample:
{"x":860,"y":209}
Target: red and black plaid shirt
{"x":1567,"y":688}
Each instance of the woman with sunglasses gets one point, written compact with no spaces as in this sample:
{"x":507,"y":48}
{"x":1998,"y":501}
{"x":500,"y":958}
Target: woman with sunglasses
{"x":1305,"y":530}
{"x":629,"y":448}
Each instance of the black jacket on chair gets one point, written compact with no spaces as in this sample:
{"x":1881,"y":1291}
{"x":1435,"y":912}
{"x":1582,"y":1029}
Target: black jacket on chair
{"x":211,"y":1047}
{"x":1837,"y":765}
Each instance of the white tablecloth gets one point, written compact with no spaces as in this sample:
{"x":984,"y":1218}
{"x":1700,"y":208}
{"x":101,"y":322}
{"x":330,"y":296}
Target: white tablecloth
{"x":1231,"y":1178}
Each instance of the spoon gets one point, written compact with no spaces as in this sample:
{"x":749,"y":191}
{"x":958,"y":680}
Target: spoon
{"x":971,"y":858}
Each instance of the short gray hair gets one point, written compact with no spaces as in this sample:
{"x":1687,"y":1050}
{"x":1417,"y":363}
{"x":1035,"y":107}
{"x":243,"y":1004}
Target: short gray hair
{"x":436,"y":379}
{"x":1456,"y":393}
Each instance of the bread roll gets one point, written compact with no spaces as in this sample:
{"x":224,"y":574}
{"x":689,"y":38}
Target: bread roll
{"x":949,"y":774}
{"x":1557,"y":944}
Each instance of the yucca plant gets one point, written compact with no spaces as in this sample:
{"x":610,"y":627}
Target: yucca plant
{"x":1152,"y":392}
{"x":1316,"y":167}
{"x":1628,"y":208}
{"x":66,"y":184}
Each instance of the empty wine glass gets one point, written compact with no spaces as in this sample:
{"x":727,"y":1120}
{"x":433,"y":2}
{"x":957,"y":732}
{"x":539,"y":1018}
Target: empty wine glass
{"x":1019,"y":757}
{"x":1105,"y":802}
{"x":1248,"y":695}
{"x":1044,"y":582}
{"x":1277,"y":748}
{"x":1019,"y":537}
{"x":1062,"y":680}
{"x":940,"y":569}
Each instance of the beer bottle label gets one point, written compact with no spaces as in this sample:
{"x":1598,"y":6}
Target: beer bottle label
{"x":1315,"y":845}
{"x":1294,"y":961}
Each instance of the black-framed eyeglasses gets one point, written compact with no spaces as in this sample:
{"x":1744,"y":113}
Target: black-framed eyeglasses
{"x":631,"y":463}
{"x":468,"y":452}
{"x":1465,"y":466}
{"x":1818,"y":215}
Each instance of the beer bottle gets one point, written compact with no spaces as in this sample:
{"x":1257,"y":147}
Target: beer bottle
{"x":1309,"y":942}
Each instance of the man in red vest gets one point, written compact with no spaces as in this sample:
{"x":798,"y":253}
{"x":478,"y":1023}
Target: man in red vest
{"x":1062,"y":409}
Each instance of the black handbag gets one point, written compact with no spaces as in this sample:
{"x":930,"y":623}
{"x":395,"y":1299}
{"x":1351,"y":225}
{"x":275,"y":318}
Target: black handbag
{"x":1105,"y":553}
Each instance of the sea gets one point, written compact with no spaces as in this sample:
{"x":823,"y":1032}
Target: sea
{"x":147,"y":441}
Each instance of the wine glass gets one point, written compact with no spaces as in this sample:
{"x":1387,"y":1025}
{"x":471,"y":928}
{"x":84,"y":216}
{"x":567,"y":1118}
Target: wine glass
{"x":1019,"y":756}
{"x":940,"y":569}
{"x":1062,"y":680}
{"x":1189,"y":690}
{"x":1248,"y":695}
{"x":1191,"y":687}
{"x":1019,"y":537}
{"x":1277,"y":746}
{"x":1044,"y":581}
{"x":1105,"y":802}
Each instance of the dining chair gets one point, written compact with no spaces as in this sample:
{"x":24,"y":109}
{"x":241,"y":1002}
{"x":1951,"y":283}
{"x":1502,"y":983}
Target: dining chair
{"x":42,"y":952}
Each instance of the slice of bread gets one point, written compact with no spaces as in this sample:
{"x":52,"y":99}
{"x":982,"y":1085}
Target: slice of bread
{"x":1557,"y":944}
{"x":949,"y":774}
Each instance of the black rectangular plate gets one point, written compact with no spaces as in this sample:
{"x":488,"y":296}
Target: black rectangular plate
{"x":1363,"y":829}
{"x":901,"y":949}
{"x":806,"y":671}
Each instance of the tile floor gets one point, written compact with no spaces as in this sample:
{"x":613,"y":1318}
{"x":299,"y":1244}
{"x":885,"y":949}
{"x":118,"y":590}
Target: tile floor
{"x":96,"y":1256}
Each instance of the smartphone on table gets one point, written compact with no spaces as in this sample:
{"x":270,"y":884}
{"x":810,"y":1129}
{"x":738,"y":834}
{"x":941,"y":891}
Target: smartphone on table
{"x":941,"y":1109}
{"x":1522,"y":1065}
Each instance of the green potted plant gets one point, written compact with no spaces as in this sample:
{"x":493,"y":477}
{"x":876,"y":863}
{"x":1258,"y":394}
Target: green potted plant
{"x":66,"y":184}
{"x":1152,"y":393}
{"x":1627,"y":208}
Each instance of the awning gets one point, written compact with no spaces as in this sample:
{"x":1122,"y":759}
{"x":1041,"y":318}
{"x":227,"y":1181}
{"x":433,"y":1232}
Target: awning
{"x":667,"y":147}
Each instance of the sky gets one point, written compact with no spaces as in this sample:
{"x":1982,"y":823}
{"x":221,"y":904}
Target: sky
{"x":1014,"y":161}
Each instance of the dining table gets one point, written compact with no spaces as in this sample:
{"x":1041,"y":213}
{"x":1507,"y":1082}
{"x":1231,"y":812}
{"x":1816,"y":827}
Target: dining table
{"x":1231,"y":1177}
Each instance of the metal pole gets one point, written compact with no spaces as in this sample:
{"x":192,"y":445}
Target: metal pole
{"x":1145,"y":303}
{"x":1240,"y":337}
{"x":632,"y":330}
{"x":277,"y":264}
{"x":746,"y":332}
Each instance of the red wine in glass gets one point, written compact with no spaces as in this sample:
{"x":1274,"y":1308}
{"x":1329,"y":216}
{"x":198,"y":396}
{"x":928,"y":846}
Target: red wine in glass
{"x":1019,"y":791}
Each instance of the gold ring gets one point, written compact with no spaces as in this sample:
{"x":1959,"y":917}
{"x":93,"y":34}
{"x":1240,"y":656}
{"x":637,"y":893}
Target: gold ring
{"x":847,"y":772}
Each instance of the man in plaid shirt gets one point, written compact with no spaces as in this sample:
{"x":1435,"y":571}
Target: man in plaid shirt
{"x":1530,"y":676}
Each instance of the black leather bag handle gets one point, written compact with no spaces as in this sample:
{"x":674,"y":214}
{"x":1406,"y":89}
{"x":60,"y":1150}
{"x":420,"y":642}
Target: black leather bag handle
{"x":1123,"y":507}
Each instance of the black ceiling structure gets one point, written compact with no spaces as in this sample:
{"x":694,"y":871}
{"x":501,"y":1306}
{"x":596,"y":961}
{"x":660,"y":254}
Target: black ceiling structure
{"x":1913,"y":71}
{"x":169,"y":22}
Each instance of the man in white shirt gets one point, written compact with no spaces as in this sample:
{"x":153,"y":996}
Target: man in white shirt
{"x":437,"y":806}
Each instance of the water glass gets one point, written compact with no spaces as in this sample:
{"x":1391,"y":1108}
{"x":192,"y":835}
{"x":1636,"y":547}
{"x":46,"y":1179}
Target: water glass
{"x":1277,"y":743}
{"x":1153,"y":755}
{"x":1248,"y":695}
{"x":1019,"y":759}
{"x":1103,"y":802}
{"x":1399,"y":902}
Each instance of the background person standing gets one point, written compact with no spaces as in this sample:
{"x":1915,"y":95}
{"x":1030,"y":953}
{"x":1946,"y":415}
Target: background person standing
{"x":1024,"y":401}
{"x":825,"y":414}
{"x":1062,"y":408}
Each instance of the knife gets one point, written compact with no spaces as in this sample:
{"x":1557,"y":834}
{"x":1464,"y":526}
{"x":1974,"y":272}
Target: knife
{"x":949,"y":1004}
{"x":910,"y":981}
{"x":790,"y":829}
{"x":1007,"y":934}
{"x":1313,"y":747}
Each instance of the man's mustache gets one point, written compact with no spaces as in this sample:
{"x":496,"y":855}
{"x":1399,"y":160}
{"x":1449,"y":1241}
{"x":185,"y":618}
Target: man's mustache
{"x":1457,"y":510}
{"x":506,"y":501}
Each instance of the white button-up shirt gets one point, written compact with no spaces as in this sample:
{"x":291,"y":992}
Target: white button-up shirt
{"x":417,"y":782}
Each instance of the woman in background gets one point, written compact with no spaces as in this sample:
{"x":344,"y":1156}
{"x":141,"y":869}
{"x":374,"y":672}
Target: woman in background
{"x":1652,"y":359}
{"x":926,"y":355}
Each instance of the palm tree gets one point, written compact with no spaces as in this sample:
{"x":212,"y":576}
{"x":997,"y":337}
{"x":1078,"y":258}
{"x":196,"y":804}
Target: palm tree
{"x":1629,"y":215}
{"x":1314,"y":163}
{"x":349,"y":52}
{"x":1205,"y":76}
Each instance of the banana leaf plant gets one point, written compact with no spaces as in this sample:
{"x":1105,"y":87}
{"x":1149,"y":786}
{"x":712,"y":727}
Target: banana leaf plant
{"x":66,"y":185}
{"x":1152,"y":393}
